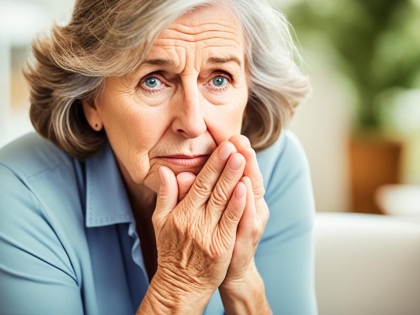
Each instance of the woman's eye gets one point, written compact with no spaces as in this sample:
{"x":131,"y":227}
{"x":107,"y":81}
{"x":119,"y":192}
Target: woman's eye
{"x":152,"y":82}
{"x":220,"y":81}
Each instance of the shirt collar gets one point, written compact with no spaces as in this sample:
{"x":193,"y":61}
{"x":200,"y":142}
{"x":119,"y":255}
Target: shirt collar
{"x":106,"y":197}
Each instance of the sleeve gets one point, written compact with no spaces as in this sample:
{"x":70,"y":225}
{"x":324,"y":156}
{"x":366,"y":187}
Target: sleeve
{"x":285,"y":255}
{"x":36,"y":275}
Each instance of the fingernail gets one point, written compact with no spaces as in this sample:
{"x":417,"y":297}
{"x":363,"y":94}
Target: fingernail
{"x":240,"y":190}
{"x":235,"y":162}
{"x":162,"y":176}
{"x":225,"y":151}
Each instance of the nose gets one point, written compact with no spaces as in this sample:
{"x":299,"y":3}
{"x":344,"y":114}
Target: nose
{"x":189,"y":120}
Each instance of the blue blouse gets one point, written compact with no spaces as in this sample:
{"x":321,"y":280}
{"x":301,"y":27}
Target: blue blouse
{"x":68,"y":242}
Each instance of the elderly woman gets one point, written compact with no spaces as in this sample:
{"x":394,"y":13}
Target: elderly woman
{"x":145,"y":193}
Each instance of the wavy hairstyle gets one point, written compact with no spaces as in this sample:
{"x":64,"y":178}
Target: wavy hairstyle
{"x":112,"y":37}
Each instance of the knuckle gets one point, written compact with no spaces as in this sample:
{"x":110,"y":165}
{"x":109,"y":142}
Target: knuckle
{"x":231,"y":216}
{"x":217,"y":253}
{"x":259,"y":192}
{"x":219,"y":197}
{"x":201,"y":186}
{"x":210,"y":168}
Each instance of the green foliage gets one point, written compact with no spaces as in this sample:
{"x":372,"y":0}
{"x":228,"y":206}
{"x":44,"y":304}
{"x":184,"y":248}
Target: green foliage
{"x":377,"y":41}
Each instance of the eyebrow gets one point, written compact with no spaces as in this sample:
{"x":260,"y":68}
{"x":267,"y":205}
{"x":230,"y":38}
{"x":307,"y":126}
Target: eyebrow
{"x":212,"y":60}
{"x":219,"y":60}
{"x":159,"y":62}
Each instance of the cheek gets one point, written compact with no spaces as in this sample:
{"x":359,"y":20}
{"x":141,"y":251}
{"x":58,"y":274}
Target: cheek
{"x":146,"y":135}
{"x":225,"y":121}
{"x":133,"y":138}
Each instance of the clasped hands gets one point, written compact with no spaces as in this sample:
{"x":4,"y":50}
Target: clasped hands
{"x":208,"y":226}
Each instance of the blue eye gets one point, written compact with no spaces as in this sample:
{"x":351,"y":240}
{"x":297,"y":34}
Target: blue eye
{"x":152,"y":82}
{"x":219,"y":81}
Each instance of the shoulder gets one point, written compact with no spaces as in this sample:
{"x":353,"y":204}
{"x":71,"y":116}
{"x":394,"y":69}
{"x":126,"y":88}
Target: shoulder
{"x":34,"y":251}
{"x":32,"y":166}
{"x":284,"y":161}
{"x":39,"y":180}
{"x":41,"y":201}
{"x":31,"y":155}
{"x":287,"y":183}
{"x":41,"y":168}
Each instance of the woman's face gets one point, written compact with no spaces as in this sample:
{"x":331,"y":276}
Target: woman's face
{"x":186,"y":98}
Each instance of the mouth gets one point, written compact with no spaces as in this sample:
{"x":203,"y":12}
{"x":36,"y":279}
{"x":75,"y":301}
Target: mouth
{"x":186,"y":161}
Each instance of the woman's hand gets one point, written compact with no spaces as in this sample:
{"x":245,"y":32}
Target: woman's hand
{"x":196,"y":236}
{"x":243,"y":291}
{"x":253,"y":221}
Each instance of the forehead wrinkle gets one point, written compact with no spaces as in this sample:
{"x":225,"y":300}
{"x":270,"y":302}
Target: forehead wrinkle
{"x":207,"y":43}
{"x":219,"y":39}
{"x":228,"y":27}
{"x":167,"y":55}
{"x":216,"y":57}
{"x":214,"y":36}
{"x":202,"y":31}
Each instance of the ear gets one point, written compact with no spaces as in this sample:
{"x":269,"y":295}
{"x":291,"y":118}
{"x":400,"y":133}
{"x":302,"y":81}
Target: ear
{"x":92,"y":114}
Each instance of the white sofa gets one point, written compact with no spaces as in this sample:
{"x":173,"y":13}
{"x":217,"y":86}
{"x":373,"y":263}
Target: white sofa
{"x":367,"y":264}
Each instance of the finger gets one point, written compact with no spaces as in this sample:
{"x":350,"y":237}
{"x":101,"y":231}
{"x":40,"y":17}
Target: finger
{"x":167,"y":197}
{"x":252,"y":169}
{"x":246,"y":227}
{"x":225,"y":186}
{"x":206,"y":180}
{"x":240,"y":142}
{"x":248,"y":234}
{"x":228,"y":224}
{"x":185,"y":181}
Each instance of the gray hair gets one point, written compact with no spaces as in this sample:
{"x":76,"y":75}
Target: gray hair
{"x":112,"y":37}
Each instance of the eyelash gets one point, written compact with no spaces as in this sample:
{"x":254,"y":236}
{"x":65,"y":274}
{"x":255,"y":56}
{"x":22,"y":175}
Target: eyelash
{"x":152,"y":75}
{"x":223,"y":74}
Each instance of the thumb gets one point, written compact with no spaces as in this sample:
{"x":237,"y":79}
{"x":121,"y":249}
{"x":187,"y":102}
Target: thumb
{"x":167,"y":197}
{"x":185,"y":181}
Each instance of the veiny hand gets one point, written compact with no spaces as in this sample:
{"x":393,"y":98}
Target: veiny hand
{"x":196,"y":225}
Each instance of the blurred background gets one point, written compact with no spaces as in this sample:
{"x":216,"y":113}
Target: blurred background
{"x":361,"y":126}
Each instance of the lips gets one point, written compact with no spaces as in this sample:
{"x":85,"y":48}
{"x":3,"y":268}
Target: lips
{"x":186,"y":161}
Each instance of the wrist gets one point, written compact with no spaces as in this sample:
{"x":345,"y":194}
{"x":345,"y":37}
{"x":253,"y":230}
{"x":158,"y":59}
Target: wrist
{"x":169,"y":295}
{"x":250,"y":278}
{"x":245,"y":294}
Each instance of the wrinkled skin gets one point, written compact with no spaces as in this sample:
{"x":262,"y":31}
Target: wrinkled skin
{"x":219,"y":222}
